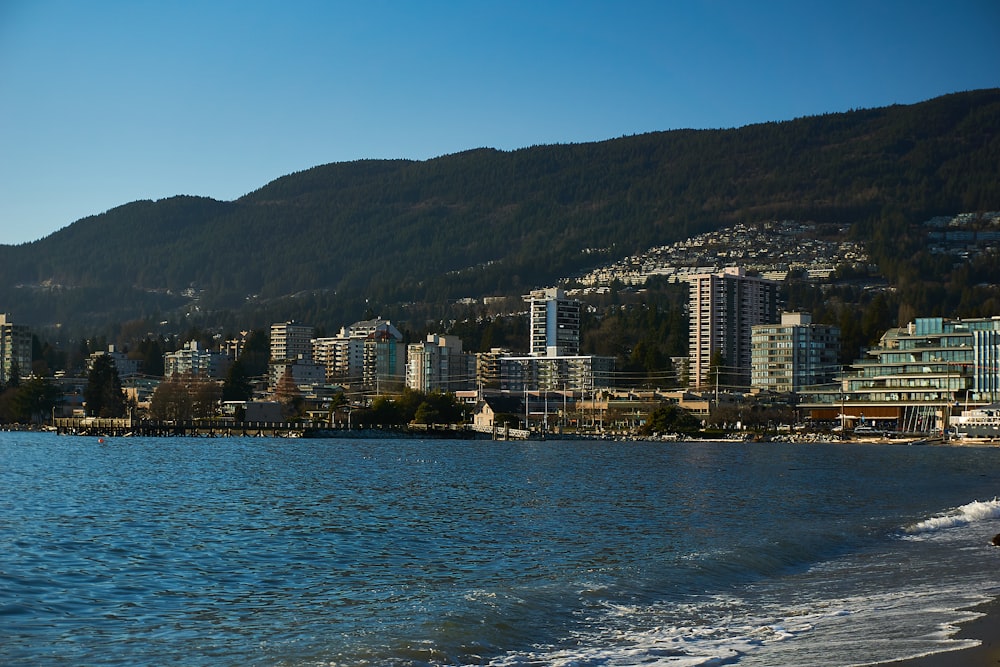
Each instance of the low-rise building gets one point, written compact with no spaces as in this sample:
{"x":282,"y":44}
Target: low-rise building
{"x":583,"y":373}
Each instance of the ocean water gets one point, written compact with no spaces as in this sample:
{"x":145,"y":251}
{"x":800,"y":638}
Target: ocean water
{"x":256,"y":551}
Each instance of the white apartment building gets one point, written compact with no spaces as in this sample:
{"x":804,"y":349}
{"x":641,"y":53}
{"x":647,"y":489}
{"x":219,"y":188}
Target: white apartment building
{"x":439,"y":364}
{"x":15,"y":349}
{"x":555,"y":323}
{"x":195,"y":361}
{"x":343,"y":355}
{"x":290,"y":341}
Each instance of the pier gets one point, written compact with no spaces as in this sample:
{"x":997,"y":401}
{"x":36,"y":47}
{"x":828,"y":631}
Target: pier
{"x":124,"y":426}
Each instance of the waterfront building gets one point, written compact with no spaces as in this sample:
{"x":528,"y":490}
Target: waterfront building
{"x":794,"y":354}
{"x":916,"y":377}
{"x":290,"y":341}
{"x":554,"y":322}
{"x":723,"y":308}
{"x":439,"y":364}
{"x":15,"y":349}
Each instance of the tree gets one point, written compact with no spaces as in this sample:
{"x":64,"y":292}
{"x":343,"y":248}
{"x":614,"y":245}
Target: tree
{"x":103,"y":394}
{"x":33,"y":400}
{"x":287,"y":393}
{"x":205,"y":397}
{"x":438,"y":408}
{"x":171,"y":400}
{"x":670,"y":418}
{"x":236,"y":386}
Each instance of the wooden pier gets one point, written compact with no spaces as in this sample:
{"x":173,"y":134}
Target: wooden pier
{"x":224,"y":428}
{"x":124,"y":426}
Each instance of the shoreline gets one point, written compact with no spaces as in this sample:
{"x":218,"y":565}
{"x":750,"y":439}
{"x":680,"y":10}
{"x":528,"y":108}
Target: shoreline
{"x":985,"y":628}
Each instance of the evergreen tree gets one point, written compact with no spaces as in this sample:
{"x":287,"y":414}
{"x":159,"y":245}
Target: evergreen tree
{"x":33,"y":401}
{"x":670,"y":418}
{"x":236,"y":386}
{"x":103,"y":394}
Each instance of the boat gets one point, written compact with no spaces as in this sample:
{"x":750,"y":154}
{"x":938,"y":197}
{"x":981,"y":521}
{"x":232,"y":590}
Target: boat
{"x":983,"y":422}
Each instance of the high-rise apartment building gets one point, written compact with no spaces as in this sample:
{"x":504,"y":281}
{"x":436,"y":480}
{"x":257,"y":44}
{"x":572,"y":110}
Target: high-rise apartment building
{"x":384,"y":367}
{"x":195,"y":361}
{"x":724,"y":307}
{"x":344,"y":355}
{"x":795,"y":354}
{"x":291,"y":341}
{"x":555,"y":323}
{"x":439,"y":364}
{"x":15,"y":349}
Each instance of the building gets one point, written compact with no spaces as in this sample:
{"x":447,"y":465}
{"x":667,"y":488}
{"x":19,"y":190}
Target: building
{"x":488,"y":367}
{"x":723,"y":308}
{"x":15,"y":349}
{"x":491,"y":410}
{"x":787,"y":357}
{"x":125,"y":367}
{"x":384,"y":367}
{"x":439,"y":364}
{"x":580,"y":374}
{"x":343,"y":355}
{"x":290,"y":341}
{"x":304,"y":373}
{"x":554,"y":362}
{"x":916,"y":377}
{"x":555,"y":323}
{"x":197,"y":362}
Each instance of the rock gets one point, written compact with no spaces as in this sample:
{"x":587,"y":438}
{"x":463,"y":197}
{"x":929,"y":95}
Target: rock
{"x":996,"y":540}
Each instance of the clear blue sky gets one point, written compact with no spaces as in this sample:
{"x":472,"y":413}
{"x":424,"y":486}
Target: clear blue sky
{"x":103,"y":103}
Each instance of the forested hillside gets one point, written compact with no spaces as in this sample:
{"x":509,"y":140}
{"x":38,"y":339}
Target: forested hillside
{"x":326,"y":243}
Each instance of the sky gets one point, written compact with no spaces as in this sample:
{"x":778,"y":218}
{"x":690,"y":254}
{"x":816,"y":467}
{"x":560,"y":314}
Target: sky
{"x":104,"y":103}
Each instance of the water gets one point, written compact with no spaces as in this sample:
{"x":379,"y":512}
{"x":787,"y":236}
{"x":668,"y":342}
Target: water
{"x":255,"y":551}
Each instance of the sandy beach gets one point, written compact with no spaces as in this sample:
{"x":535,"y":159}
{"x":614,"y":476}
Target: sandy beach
{"x":985,"y":628}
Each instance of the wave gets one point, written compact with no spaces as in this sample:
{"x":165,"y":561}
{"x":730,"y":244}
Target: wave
{"x":960,"y":516}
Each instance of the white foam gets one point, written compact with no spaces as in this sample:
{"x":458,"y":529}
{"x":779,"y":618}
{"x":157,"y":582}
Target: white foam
{"x":961,"y":516}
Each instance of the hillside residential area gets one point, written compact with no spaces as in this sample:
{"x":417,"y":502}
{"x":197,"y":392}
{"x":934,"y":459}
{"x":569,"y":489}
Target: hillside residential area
{"x":750,"y":368}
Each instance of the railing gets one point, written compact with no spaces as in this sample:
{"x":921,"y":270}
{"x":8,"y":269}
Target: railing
{"x":501,"y":432}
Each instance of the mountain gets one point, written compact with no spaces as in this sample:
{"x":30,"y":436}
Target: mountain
{"x":336,"y":237}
